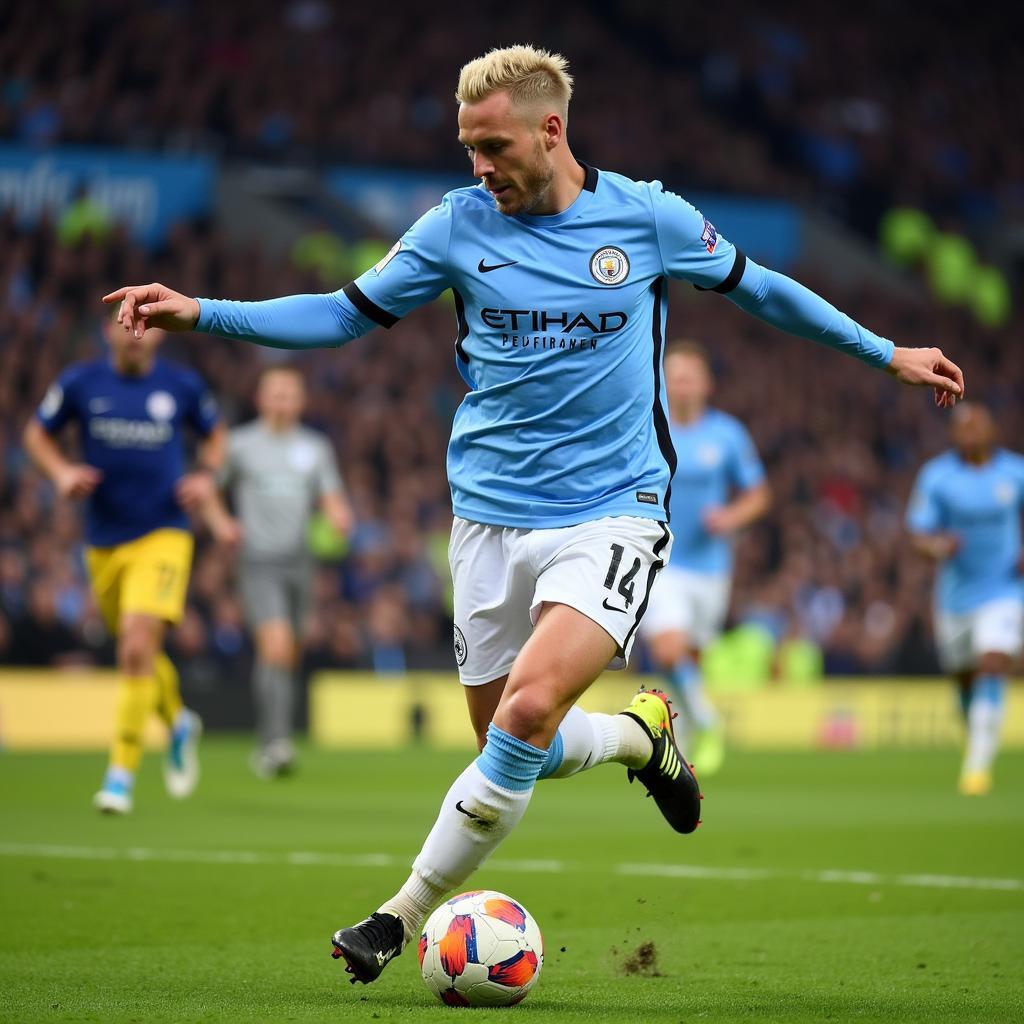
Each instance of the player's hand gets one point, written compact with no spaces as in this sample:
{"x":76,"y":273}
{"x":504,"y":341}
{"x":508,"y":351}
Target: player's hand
{"x":194,"y":490}
{"x":943,"y":545}
{"x":153,"y":305}
{"x":719,"y":521}
{"x":77,"y":481}
{"x":227,"y":531}
{"x":342,"y":520}
{"x":928,"y":367}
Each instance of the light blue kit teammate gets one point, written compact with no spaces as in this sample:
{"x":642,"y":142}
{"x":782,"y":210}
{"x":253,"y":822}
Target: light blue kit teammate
{"x":965,"y":513}
{"x":718,"y":489}
{"x":560,"y":458}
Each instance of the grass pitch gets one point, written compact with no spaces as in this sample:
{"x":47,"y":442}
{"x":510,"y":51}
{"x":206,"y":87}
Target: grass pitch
{"x":821,"y":887}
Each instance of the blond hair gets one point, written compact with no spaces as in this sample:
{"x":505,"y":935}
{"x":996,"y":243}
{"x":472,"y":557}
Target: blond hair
{"x":531,"y":76}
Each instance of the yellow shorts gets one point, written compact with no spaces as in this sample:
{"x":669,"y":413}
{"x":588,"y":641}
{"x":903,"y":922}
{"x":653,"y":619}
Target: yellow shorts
{"x":148,"y":576}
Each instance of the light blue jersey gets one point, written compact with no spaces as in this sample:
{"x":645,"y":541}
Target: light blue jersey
{"x":714,"y":457}
{"x":561,"y":321}
{"x":981,"y":506}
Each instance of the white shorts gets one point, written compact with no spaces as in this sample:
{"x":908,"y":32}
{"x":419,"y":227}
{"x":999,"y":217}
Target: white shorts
{"x":604,"y":569}
{"x":688,"y":602}
{"x":993,"y":628}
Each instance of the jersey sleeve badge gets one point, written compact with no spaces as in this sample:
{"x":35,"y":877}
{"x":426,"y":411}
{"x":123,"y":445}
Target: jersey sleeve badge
{"x":392,"y":253}
{"x":709,"y":236}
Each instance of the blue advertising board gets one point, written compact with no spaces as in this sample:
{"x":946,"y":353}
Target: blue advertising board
{"x":147,"y":192}
{"x":767,"y":230}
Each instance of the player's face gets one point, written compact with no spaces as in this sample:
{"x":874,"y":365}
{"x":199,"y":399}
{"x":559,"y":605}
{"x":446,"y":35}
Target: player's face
{"x":509,"y":150}
{"x":974,"y":430}
{"x":281,"y":397}
{"x":133,"y":355}
{"x":687,"y":381}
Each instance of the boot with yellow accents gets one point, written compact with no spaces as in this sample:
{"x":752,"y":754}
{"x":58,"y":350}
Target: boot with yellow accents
{"x":666,"y":776}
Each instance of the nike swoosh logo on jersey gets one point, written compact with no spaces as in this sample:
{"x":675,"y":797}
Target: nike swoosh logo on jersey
{"x":468,"y":814}
{"x":485,"y":269}
{"x":100,"y":405}
{"x":612,"y":608}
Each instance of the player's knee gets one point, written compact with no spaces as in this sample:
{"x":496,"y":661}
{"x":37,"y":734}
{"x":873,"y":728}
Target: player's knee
{"x":135,"y":656}
{"x":668,"y":649}
{"x":276,"y":646}
{"x":527,"y":713}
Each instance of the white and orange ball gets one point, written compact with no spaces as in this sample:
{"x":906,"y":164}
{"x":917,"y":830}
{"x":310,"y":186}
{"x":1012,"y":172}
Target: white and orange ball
{"x":481,"y":948}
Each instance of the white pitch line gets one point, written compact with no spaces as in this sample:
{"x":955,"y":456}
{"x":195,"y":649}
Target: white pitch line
{"x":827,"y":876}
{"x":699,"y":872}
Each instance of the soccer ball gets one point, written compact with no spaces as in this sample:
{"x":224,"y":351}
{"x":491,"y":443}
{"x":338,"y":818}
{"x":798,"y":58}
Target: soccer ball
{"x":481,"y":948}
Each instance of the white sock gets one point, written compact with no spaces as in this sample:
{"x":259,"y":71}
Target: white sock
{"x":475,"y":817}
{"x":591,"y":738}
{"x":984,"y":723}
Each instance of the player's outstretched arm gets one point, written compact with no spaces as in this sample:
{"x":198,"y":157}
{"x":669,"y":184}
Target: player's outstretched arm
{"x":788,"y":305}
{"x":72,"y":480}
{"x":414,"y":272}
{"x":293,"y":322}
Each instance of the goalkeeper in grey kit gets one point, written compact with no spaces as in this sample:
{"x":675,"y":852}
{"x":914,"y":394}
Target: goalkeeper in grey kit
{"x":279,"y":473}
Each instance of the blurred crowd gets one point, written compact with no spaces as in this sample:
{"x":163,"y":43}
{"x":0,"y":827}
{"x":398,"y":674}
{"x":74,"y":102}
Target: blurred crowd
{"x":854,"y":108}
{"x":841,"y":443}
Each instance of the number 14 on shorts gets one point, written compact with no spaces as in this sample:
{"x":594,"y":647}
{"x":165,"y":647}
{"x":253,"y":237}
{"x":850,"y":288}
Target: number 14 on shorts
{"x":626,"y":586}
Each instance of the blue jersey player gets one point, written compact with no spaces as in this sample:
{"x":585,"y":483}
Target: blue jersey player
{"x":718,"y":489}
{"x":560,"y":456}
{"x":132,"y":410}
{"x":965,"y":513}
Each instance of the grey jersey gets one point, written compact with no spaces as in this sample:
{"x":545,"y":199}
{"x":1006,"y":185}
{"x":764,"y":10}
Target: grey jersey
{"x":276,"y":480}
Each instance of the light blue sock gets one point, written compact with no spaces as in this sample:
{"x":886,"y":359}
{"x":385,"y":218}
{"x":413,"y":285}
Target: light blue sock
{"x":119,"y":780}
{"x":509,"y":762}
{"x":555,"y":754}
{"x":991,"y":688}
{"x":687,"y":685}
{"x":984,"y":722}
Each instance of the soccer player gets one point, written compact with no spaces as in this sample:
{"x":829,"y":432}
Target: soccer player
{"x":278,"y":472}
{"x":560,"y":457}
{"x":718,"y":489}
{"x":132,"y":408}
{"x":965,"y":514}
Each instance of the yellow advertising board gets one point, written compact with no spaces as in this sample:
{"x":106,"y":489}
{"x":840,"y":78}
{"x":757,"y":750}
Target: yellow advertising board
{"x":42,"y":709}
{"x":74,"y":710}
{"x":353,"y":710}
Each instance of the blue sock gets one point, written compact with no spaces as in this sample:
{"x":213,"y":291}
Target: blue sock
{"x":555,"y":754}
{"x":990,"y":688}
{"x":509,"y":762}
{"x":120,"y":780}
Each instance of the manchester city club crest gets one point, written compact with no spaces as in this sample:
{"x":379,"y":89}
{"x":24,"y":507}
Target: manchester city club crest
{"x":460,"y":647}
{"x":609,"y":265}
